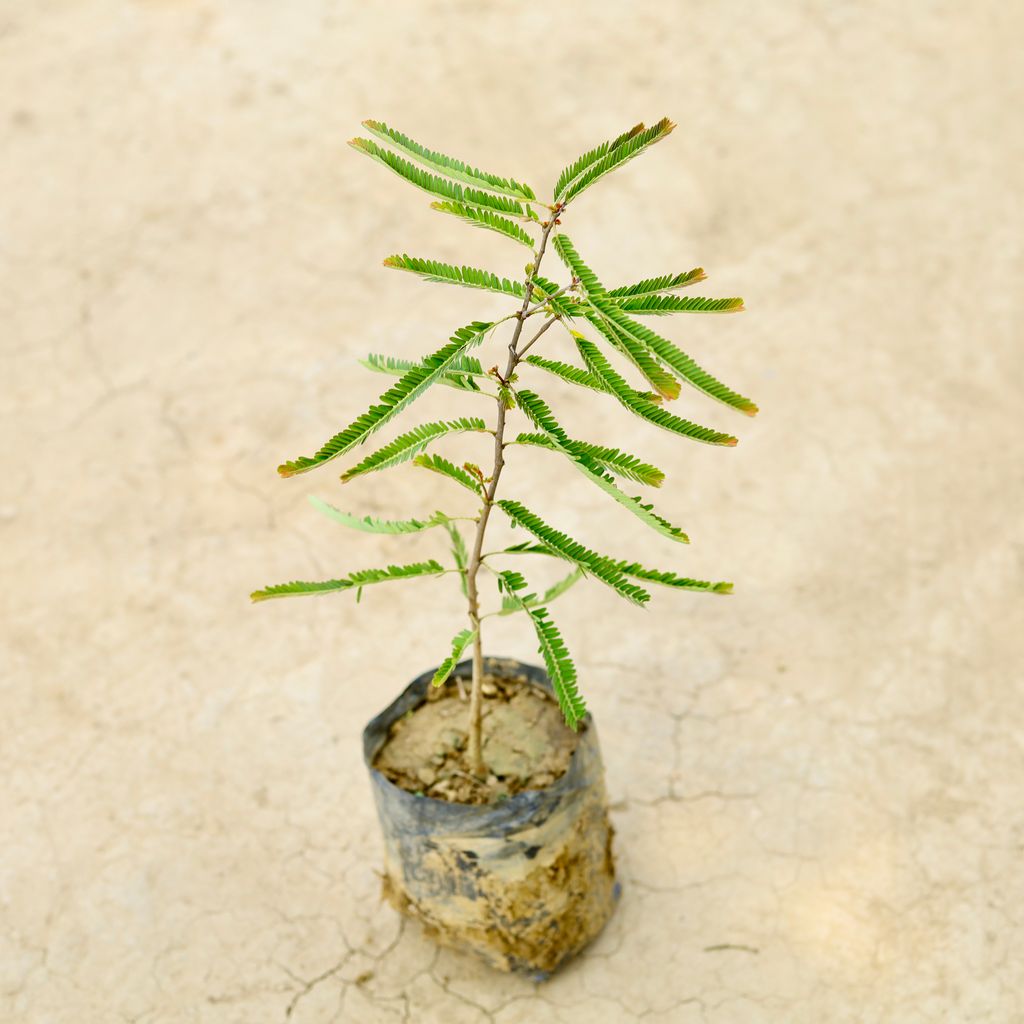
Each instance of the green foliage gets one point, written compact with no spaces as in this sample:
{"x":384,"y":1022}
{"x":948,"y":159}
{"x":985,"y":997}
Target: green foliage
{"x":571,"y":258}
{"x":578,"y":166}
{"x":434,"y":185}
{"x":670,"y":579}
{"x":448,"y":166}
{"x":632,"y":146}
{"x":567,"y":372}
{"x":405,"y":391}
{"x":468,"y":277}
{"x":654,"y":285}
{"x":561,"y":670}
{"x":663,"y":382}
{"x":601,"y":368}
{"x":659,"y":305}
{"x":541,"y":415}
{"x":459,"y":552}
{"x":410,"y":444}
{"x":439,"y":464}
{"x":369,"y":524}
{"x":618,"y":462}
{"x":486,"y":219}
{"x":673,"y":357}
{"x":511,"y":605}
{"x":599,"y":566}
{"x":355,"y":580}
{"x":527,"y":547}
{"x":459,"y":643}
{"x":505,"y":206}
{"x":461,"y":376}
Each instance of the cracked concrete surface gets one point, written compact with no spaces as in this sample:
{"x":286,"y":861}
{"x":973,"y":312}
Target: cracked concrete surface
{"x":816,"y":782}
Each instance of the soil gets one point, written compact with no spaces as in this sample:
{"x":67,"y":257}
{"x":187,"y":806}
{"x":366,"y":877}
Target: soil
{"x":526,"y":743}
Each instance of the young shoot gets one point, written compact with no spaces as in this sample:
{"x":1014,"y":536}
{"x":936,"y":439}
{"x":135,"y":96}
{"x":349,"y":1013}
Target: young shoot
{"x":601,"y":338}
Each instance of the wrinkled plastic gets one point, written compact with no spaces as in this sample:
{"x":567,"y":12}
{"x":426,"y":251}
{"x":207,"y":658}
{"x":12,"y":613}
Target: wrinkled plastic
{"x":524,"y":883}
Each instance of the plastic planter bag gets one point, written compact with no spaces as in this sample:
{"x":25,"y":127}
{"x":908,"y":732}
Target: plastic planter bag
{"x":524,"y":883}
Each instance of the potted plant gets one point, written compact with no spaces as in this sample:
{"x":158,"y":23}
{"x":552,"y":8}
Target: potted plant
{"x":486,"y":772}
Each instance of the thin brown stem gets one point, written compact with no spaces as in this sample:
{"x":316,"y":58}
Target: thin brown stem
{"x":475,"y":746}
{"x":526,"y":348}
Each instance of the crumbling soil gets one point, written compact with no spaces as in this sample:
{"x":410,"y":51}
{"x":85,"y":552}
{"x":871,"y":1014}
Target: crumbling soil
{"x":526,"y":743}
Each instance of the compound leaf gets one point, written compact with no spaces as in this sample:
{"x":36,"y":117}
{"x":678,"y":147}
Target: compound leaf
{"x":654,"y":285}
{"x":480,"y":218}
{"x":439,"y":464}
{"x":410,"y":444}
{"x":599,"y":566}
{"x":449,"y":166}
{"x":660,"y":305}
{"x":541,"y":415}
{"x":370,"y":524}
{"x":561,"y":670}
{"x":461,"y":375}
{"x":629,"y":399}
{"x":621,"y":154}
{"x":445,"y":273}
{"x":359,"y":579}
{"x":459,"y":643}
{"x":406,"y":389}
{"x":579,"y":165}
{"x":443,"y":188}
{"x":673,"y":357}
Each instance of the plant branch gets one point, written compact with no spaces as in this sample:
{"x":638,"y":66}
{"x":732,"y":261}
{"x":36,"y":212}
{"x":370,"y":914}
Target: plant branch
{"x":526,"y":348}
{"x":547,"y":298}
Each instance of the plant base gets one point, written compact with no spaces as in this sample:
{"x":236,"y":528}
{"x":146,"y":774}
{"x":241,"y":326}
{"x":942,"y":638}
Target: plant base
{"x":524,"y":883}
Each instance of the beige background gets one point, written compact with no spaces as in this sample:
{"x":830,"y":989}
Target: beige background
{"x":823,"y":772}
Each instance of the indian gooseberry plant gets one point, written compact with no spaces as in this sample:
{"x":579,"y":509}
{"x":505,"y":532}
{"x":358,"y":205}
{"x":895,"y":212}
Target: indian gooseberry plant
{"x":603,"y":327}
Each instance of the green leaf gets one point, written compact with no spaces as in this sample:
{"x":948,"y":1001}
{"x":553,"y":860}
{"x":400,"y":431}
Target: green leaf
{"x":653,"y":285}
{"x":663,"y":382}
{"x":527,"y":547}
{"x":674,"y":357}
{"x":407,"y":445}
{"x":486,"y":219}
{"x":618,"y":462}
{"x":459,"y":643}
{"x":357,"y":580}
{"x":368,"y":524}
{"x":598,"y":566}
{"x":541,"y":415}
{"x":571,"y":258}
{"x":449,"y":166}
{"x":628,"y":398}
{"x":459,"y":552}
{"x":578,"y":166}
{"x":510,"y":606}
{"x":631,"y":147}
{"x":468,"y":277}
{"x":561,"y":670}
{"x":670,"y":579}
{"x":569,"y":373}
{"x":434,"y":185}
{"x":660,"y":305}
{"x":460,"y":376}
{"x":405,"y":390}
{"x":441,"y":465}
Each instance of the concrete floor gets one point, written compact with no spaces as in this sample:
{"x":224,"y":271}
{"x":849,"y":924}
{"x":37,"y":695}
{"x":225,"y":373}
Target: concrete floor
{"x":817,"y":782}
